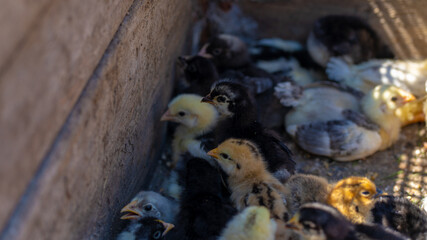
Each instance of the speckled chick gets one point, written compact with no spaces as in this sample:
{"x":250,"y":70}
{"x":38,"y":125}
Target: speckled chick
{"x":147,"y":228}
{"x":250,"y":183}
{"x":253,"y":223}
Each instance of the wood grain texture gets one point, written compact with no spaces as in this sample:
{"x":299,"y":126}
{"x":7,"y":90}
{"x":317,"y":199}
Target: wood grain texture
{"x":401,"y":24}
{"x":109,"y":142}
{"x":43,"y":77}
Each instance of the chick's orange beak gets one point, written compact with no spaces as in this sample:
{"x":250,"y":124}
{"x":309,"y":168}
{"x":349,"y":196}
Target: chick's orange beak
{"x":131,"y":212}
{"x":293,"y":222}
{"x":207,"y":99}
{"x":167,"y":116}
{"x":168,"y":226}
{"x":203,"y":52}
{"x":407,"y":97}
{"x":214,"y":153}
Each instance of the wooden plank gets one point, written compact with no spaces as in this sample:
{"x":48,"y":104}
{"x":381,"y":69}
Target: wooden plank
{"x":108,"y":143}
{"x":42,"y":81}
{"x":401,"y":24}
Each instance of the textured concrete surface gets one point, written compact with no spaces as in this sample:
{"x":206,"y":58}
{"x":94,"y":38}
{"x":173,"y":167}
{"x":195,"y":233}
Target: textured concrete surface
{"x":110,"y":139}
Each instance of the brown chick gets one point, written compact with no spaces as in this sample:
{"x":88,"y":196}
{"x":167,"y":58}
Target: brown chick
{"x":251,"y":184}
{"x":354,"y":197}
{"x":304,"y":188}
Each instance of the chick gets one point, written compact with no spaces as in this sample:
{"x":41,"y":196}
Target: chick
{"x":239,"y":120}
{"x":196,"y":120}
{"x":147,"y":228}
{"x":205,"y":203}
{"x":200,"y":74}
{"x":305,"y":188}
{"x":401,"y":215}
{"x":315,"y":221}
{"x":354,"y":197}
{"x":253,"y":223}
{"x":408,"y":75}
{"x":330,"y":122}
{"x":150,"y":204}
{"x":347,"y":37}
{"x":250,"y":183}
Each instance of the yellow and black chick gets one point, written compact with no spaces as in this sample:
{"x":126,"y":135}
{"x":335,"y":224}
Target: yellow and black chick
{"x":355,"y":198}
{"x":239,"y":120}
{"x":250,"y":183}
{"x":205,"y":205}
{"x":253,"y":223}
{"x":147,"y":228}
{"x":305,"y":188}
{"x":347,"y":37}
{"x":200,"y":73}
{"x":196,"y":120}
{"x":329,"y":121}
{"x":315,"y":221}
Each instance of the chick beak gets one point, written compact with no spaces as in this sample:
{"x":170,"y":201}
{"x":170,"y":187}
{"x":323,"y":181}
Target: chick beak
{"x":167,"y":116}
{"x":293,"y":223}
{"x":132,"y":214}
{"x":214,"y":153}
{"x":407,"y":97}
{"x":203,"y":52}
{"x":168,"y":227}
{"x":182,"y":61}
{"x":208,"y":100}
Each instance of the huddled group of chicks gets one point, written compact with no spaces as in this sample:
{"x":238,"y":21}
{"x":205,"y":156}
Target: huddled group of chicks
{"x":235,"y":178}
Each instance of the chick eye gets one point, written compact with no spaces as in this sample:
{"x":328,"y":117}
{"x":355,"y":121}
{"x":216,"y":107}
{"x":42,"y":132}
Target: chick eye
{"x":365,"y":193}
{"x":181,"y":113}
{"x":223,"y":155}
{"x":220,"y":99}
{"x":394,"y":98}
{"x":148,"y":207}
{"x":157,"y":235}
{"x":217,"y":51}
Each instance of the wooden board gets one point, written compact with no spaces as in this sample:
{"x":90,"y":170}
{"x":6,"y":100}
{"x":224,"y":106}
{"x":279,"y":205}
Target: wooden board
{"x":109,"y":141}
{"x":402,"y":24}
{"x":43,"y":77}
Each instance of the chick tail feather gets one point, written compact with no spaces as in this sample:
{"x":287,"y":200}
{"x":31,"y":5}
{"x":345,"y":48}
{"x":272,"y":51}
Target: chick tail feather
{"x":338,"y":70}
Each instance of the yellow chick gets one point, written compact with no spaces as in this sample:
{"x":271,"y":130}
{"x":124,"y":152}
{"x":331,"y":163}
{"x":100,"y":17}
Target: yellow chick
{"x":330,"y":122}
{"x":196,"y":119}
{"x":354,"y":197}
{"x":253,"y":223}
{"x":250,"y":183}
{"x":408,"y":75}
{"x":305,"y":188}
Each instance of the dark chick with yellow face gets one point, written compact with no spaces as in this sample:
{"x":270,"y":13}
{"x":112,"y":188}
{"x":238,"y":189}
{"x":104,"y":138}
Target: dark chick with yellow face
{"x":250,"y":183}
{"x":239,"y":120}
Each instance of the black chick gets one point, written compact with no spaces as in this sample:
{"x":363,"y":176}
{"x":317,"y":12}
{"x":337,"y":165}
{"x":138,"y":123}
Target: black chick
{"x":205,"y":203}
{"x":347,"y":36}
{"x":401,"y":215}
{"x":200,"y":74}
{"x":148,"y":228}
{"x":318,"y":221}
{"x":239,"y":120}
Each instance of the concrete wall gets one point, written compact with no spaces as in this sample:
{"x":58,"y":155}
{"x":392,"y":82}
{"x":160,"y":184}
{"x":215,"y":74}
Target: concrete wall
{"x":82,"y":87}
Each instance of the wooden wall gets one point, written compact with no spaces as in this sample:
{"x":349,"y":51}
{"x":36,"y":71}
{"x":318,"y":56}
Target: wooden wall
{"x":82,"y":87}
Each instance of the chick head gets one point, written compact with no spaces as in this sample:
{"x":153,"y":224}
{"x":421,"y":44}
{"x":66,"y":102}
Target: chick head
{"x":152,"y":229}
{"x":252,"y":224}
{"x":388,"y":98}
{"x":229,"y":98}
{"x":354,"y":197}
{"x":233,"y":154}
{"x":188,"y":110}
{"x":223,"y":48}
{"x":197,"y":68}
{"x":318,"y":221}
{"x":142,"y":205}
